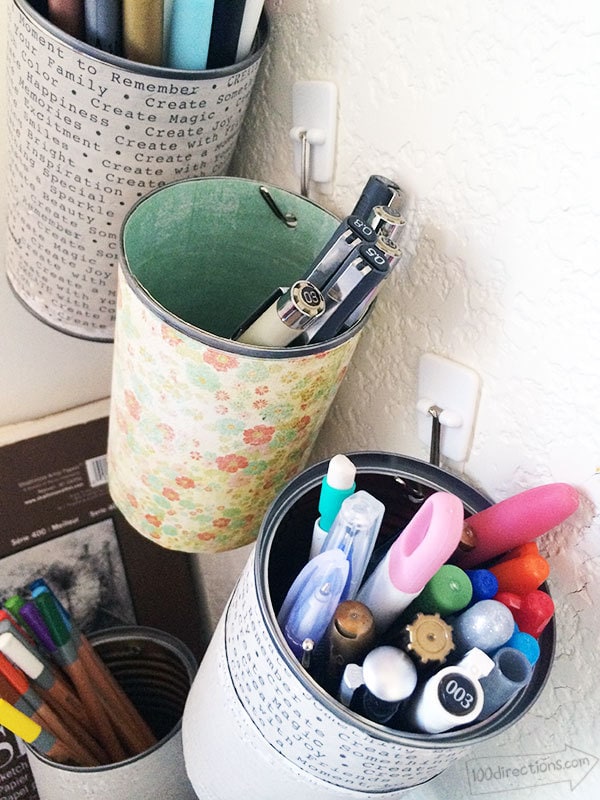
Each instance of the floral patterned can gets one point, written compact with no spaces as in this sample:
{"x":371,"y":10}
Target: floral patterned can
{"x":204,"y":431}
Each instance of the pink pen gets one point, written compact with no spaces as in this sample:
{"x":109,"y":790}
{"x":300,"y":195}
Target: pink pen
{"x":516,"y":520}
{"x":424,"y":545}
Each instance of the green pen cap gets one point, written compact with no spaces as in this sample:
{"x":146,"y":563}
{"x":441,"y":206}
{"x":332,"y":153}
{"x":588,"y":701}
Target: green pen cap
{"x":448,"y":591}
{"x":13,"y":605}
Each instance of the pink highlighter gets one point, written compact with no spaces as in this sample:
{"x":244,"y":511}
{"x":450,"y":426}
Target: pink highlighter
{"x":516,"y":520}
{"x":422,"y":547}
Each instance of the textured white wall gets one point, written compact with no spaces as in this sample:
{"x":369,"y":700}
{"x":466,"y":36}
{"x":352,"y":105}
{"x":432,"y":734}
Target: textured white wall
{"x":488,"y":114}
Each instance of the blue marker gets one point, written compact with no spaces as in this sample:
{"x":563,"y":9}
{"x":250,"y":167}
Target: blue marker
{"x":187,"y":34}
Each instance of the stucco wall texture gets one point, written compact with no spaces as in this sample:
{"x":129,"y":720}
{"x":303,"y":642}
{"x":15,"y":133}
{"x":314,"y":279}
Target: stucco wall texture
{"x":488,"y":115}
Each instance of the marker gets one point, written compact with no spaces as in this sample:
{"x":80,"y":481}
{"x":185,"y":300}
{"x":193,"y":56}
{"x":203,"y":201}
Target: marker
{"x":414,"y":557}
{"x":68,"y":16}
{"x":250,"y":20}
{"x":486,"y":625}
{"x":427,"y":639}
{"x":143,"y":31}
{"x":32,"y":733}
{"x":521,"y":575}
{"x":532,"y":611}
{"x":512,"y":672}
{"x":225,"y":33}
{"x":451,"y":697}
{"x":526,"y":644}
{"x":103,"y":25}
{"x":517,"y":520}
{"x":354,"y":531}
{"x":348,"y":639}
{"x":336,"y":486}
{"x":312,"y":599}
{"x":188,"y":32}
{"x":447,"y":592}
{"x":283,"y":321}
{"x":376,"y":690}
{"x":484,"y":584}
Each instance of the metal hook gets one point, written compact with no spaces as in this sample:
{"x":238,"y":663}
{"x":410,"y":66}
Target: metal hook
{"x":436,"y":433}
{"x":289,"y":219}
{"x":304,"y":162}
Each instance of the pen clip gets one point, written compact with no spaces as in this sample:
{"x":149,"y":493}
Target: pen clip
{"x":287,"y":218}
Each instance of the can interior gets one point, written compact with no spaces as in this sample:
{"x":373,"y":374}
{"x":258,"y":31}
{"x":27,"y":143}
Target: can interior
{"x":402,"y":485}
{"x":210,"y":250}
{"x":155,"y":677}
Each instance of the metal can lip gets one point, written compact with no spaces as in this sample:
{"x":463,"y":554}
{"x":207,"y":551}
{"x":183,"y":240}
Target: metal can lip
{"x":433,"y":478}
{"x":131,"y":639}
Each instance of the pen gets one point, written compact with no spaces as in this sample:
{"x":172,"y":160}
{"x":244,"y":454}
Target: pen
{"x":414,"y":557}
{"x":379,"y":191}
{"x":355,"y":282}
{"x":351,"y":232}
{"x":188,"y":33}
{"x":375,"y":690}
{"x":521,"y":575}
{"x":286,"y":318}
{"x":448,"y":591}
{"x":511,"y":672}
{"x":387,"y":221}
{"x":484,"y":584}
{"x":516,"y":520}
{"x":312,"y":599}
{"x":336,"y":486}
{"x":354,"y":531}
{"x":427,"y":639}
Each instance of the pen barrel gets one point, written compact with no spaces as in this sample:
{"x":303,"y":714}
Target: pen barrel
{"x":350,"y":636}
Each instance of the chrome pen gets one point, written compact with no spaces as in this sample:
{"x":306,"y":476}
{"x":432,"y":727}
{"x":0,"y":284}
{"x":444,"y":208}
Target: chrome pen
{"x":349,"y":234}
{"x":379,"y":191}
{"x":387,"y":221}
{"x":292,"y":311}
{"x":355,"y":282}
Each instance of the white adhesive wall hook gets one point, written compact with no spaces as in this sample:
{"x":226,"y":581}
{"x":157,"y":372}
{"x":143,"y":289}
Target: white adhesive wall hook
{"x":313,"y":132}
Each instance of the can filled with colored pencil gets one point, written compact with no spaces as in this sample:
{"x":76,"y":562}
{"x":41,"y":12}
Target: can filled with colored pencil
{"x":155,"y":671}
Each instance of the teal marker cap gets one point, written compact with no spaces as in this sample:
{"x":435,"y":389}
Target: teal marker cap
{"x":336,"y":486}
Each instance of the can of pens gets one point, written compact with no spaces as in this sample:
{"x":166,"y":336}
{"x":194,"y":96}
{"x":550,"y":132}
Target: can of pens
{"x":204,"y":429}
{"x":155,"y":670}
{"x":90,"y":132}
{"x":285,"y":734}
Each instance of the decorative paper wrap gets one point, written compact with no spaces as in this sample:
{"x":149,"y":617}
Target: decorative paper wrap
{"x":205,"y":431}
{"x":91,"y":133}
{"x":254,"y":706}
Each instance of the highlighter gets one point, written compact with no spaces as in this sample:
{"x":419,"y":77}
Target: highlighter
{"x":452,"y":697}
{"x":336,"y":486}
{"x":517,"y":520}
{"x":418,"y":552}
{"x":354,"y":531}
